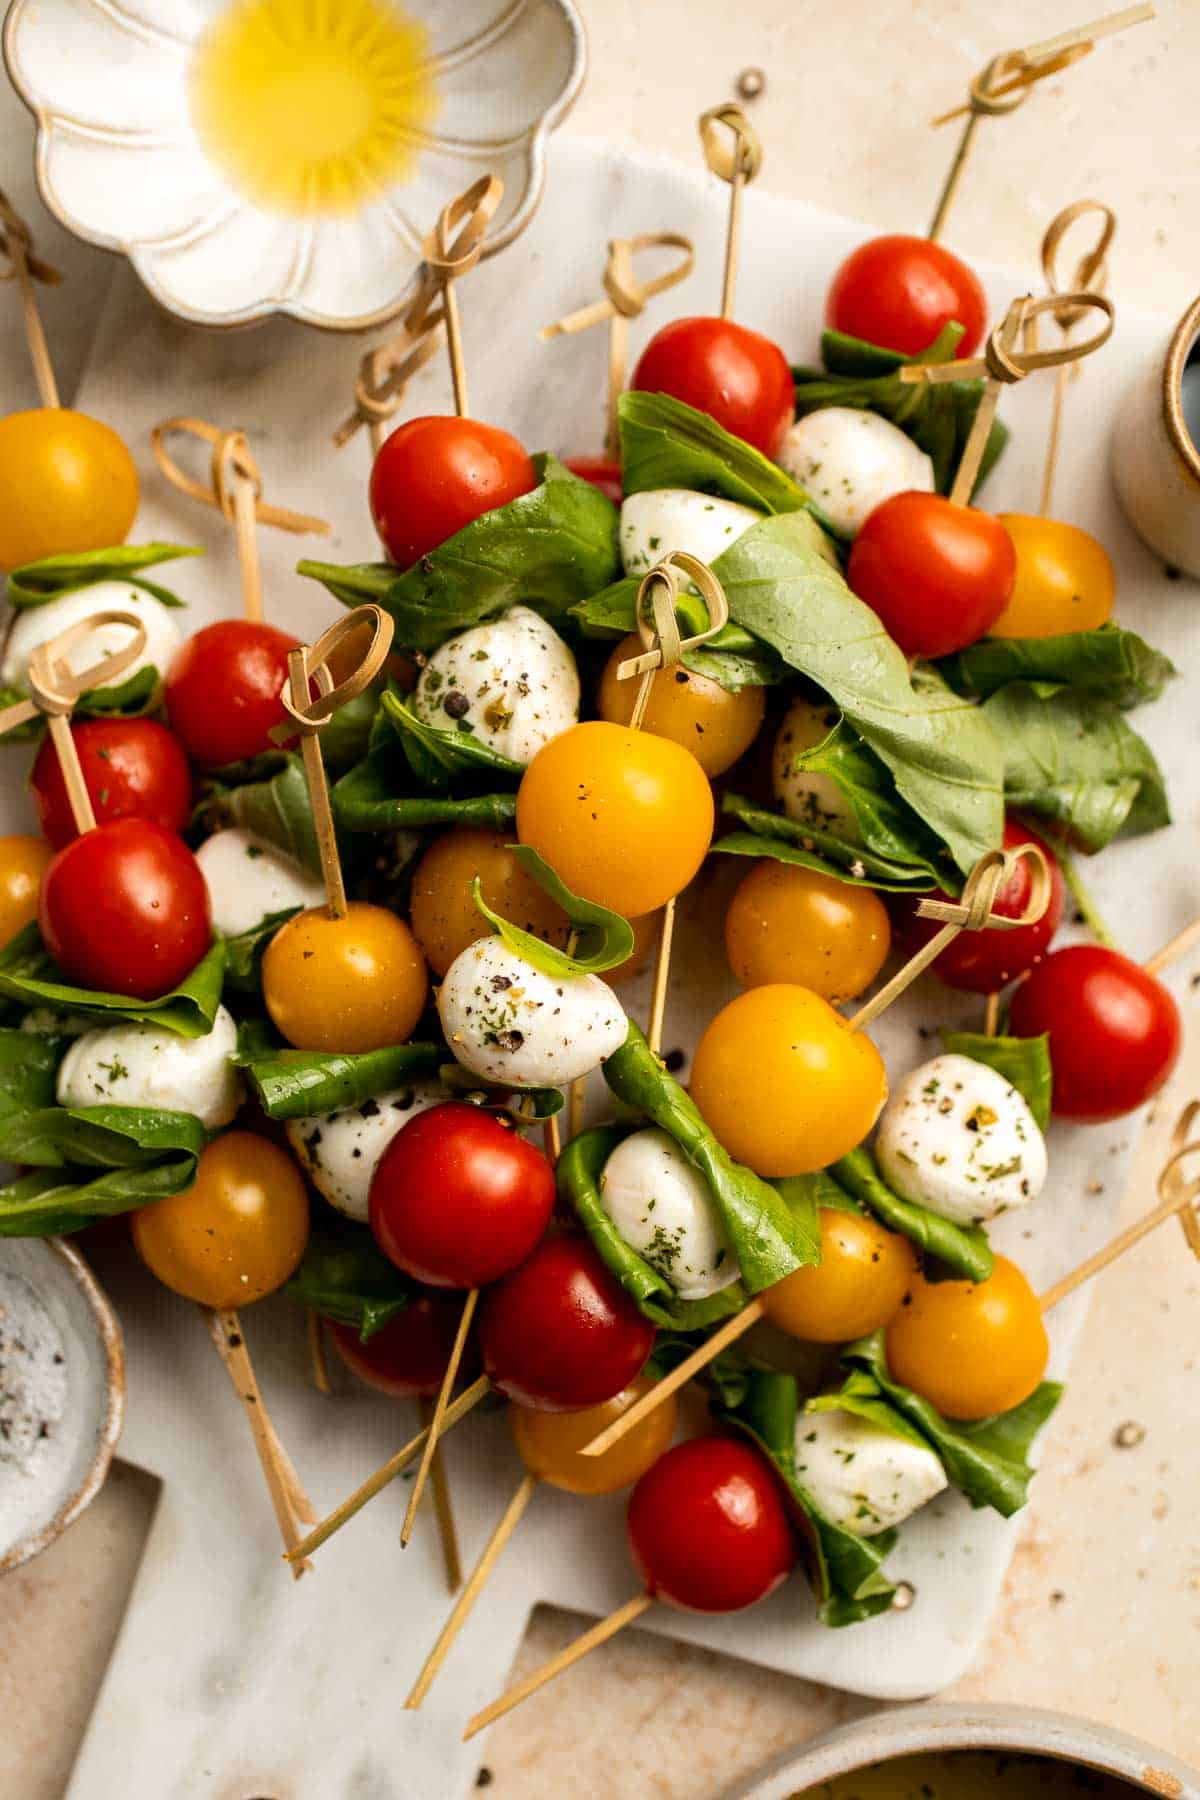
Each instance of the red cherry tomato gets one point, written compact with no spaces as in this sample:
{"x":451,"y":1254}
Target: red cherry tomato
{"x":708,"y":1529}
{"x":983,"y":962}
{"x":560,"y":1332}
{"x":434,"y":475}
{"x":124,"y":909}
{"x":134,"y":769}
{"x":458,"y":1198}
{"x":741,"y":378}
{"x":223,"y":690}
{"x":899,"y":292}
{"x":601,"y":471}
{"x":938,"y":575}
{"x":407,"y":1357}
{"x":1115,"y":1031}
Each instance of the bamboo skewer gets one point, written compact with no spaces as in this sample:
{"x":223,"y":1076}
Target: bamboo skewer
{"x":437,"y":1422}
{"x":590,"y":1640}
{"x":1091,"y":274}
{"x":439,"y":1487}
{"x":293,"y":1509}
{"x":26,"y":269}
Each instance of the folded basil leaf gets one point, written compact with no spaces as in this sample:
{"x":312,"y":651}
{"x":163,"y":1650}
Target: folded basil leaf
{"x":344,"y":1276}
{"x":297,"y":1084}
{"x":29,"y":975}
{"x":547,"y":549}
{"x":1075,"y":762}
{"x":244,"y":953}
{"x":29,"y":1069}
{"x":97,"y":1137}
{"x":887,"y":826}
{"x":365,"y":800}
{"x":1111,"y":663}
{"x":130,"y":698}
{"x":734,"y":657}
{"x":1023,"y":1062}
{"x":535,"y":1103}
{"x":769,"y":1239}
{"x":861,"y":1396}
{"x":603,"y":939}
{"x":437,"y":757}
{"x":275,"y":808}
{"x":46,"y":1203}
{"x":667,"y":444}
{"x":988,"y":1458}
{"x":788,"y":841}
{"x":36,"y":582}
{"x":962,"y":1249}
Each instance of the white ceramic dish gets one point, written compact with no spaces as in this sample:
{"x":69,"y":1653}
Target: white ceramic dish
{"x":122,"y":162}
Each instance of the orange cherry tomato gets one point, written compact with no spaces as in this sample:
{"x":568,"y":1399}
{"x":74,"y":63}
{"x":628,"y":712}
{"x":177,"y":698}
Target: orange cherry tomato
{"x":716,"y":725}
{"x":67,"y":483}
{"x":784,"y":1083}
{"x":351,"y":984}
{"x":238,"y":1232}
{"x":444,"y":916}
{"x":970,"y":1348}
{"x":551,"y":1443}
{"x":1065,"y":579}
{"x":23,"y":860}
{"x":860,"y":1281}
{"x":624,"y":817}
{"x":791,"y":924}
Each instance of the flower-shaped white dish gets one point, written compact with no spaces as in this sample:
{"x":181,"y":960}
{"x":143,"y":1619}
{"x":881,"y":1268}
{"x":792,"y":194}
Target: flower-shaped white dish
{"x":262,"y":156}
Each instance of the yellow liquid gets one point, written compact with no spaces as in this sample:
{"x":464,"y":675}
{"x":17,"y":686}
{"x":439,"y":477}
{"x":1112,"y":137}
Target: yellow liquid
{"x":972,"y":1775}
{"x":313,"y":106}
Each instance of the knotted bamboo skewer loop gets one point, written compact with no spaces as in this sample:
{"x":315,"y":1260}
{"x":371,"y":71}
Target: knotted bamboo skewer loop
{"x":733,"y":151}
{"x":1091,"y":276}
{"x":23,"y":267}
{"x":450,"y":257}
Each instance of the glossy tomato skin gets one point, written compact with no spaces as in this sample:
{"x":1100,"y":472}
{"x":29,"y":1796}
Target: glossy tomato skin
{"x":601,"y":471}
{"x":458,"y":1198}
{"x":24,"y":860}
{"x":407,"y":1357}
{"x":559,"y":1332}
{"x":436,"y":474}
{"x":1115,"y":1031}
{"x":68,"y":484}
{"x":223,"y":689}
{"x":708,"y":1529}
{"x":125,"y":909}
{"x":899,"y":291}
{"x":134,"y":768}
{"x":971,"y":1348}
{"x":938,"y":575}
{"x":738,"y":376}
{"x":983,"y":962}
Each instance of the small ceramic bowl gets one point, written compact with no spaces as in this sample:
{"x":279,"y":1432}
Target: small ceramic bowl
{"x":1156,"y":457}
{"x":62,"y":1392}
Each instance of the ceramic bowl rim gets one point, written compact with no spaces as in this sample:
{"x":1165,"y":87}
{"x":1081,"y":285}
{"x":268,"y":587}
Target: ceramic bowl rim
{"x":1183,"y":341}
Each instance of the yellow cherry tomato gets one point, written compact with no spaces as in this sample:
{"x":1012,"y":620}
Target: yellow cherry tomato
{"x":645,"y":940}
{"x":624,"y":817}
{"x":551,"y":1444}
{"x":784,"y":1083}
{"x":1064,"y":582}
{"x":67,"y":483}
{"x":716,"y":725}
{"x":970,"y":1348}
{"x":787,"y":923}
{"x":445,"y":917}
{"x":236,"y":1234}
{"x":352,"y":984}
{"x":23,"y":862}
{"x":860,"y":1281}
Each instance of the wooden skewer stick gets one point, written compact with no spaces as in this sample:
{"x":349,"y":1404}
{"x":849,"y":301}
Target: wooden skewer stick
{"x":293,"y":1509}
{"x":439,"y":1412}
{"x":1091,"y":275}
{"x":26,"y":269}
{"x":318,"y":1362}
{"x":1178,"y":946}
{"x":439,"y":1485}
{"x":737,"y":159}
{"x":590,"y":1640}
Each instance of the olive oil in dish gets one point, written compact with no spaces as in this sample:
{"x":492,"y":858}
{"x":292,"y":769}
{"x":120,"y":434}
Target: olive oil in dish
{"x":972,"y":1775}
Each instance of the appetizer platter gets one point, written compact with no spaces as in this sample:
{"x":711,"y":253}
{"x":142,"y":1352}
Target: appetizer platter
{"x":846,"y":1226}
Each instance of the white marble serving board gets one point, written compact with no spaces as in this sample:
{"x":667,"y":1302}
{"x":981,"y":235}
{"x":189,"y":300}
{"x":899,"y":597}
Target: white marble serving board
{"x":228,"y":1679}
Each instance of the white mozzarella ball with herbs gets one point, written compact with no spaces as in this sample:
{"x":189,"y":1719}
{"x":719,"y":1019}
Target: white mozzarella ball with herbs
{"x":143,"y":1065}
{"x":34,"y":625}
{"x":850,"y":460}
{"x":864,"y":1478}
{"x":511,"y":1024}
{"x":663,"y":1209}
{"x":957,"y":1137}
{"x":248,"y":880}
{"x":512,"y":683}
{"x":340,"y":1150}
{"x":808,"y":795}
{"x":661,"y":520}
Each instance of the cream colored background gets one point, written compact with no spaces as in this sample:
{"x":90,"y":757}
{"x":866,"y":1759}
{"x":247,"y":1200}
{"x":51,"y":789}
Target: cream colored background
{"x":1102,"y":1609}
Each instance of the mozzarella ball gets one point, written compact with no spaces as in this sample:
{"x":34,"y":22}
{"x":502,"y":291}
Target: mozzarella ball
{"x":863,"y":1478}
{"x":34,"y":625}
{"x":340,"y":1150}
{"x":513,"y":683}
{"x":661,"y":520}
{"x":849,"y":460}
{"x":958,"y":1138}
{"x":807,"y":795}
{"x":143,"y":1065}
{"x":249,"y":879}
{"x":663,"y":1209}
{"x":509,"y":1023}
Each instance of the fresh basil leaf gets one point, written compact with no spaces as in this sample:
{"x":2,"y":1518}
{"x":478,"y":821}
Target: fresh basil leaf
{"x":28,"y":1069}
{"x":1113,"y":664}
{"x":860,"y":1395}
{"x":988,"y":1458}
{"x":44,"y":1203}
{"x":244,"y":953}
{"x":725,"y":1376}
{"x":547,"y":549}
{"x":734,"y":657}
{"x":1023,"y":1062}
{"x":437,"y":757}
{"x":346,"y":736}
{"x":1075,"y":762}
{"x":29,"y":975}
{"x":768,"y":1238}
{"x":782,"y":586}
{"x":275,"y":808}
{"x":130,"y":698}
{"x":666,"y":444}
{"x":603,"y":939}
{"x":789,"y":841}
{"x":962,"y":1249}
{"x":344,"y":1276}
{"x":298,"y":1084}
{"x":97,"y":1137}
{"x":36,"y":582}
{"x":887,"y":826}
{"x":536,"y":1103}
{"x":365,"y":800}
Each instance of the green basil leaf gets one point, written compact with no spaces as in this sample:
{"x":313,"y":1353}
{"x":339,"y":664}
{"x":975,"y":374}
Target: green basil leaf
{"x":536,"y":1103}
{"x":130,"y":698}
{"x":789,"y":841}
{"x":860,"y":1395}
{"x":547,"y":549}
{"x":666,"y":444}
{"x":887,"y":826}
{"x":365,"y":800}
{"x":276,"y":808}
{"x":36,"y":582}
{"x":244,"y":953}
{"x":963,"y":1249}
{"x":734,"y":657}
{"x":28,"y":1069}
{"x":604,"y":939}
{"x":344,"y":1276}
{"x":1023,"y":1062}
{"x":437,"y":757}
{"x":769,"y":1239}
{"x":30,"y":976}
{"x":48,"y":1204}
{"x":298,"y":1084}
{"x":1113,"y":664}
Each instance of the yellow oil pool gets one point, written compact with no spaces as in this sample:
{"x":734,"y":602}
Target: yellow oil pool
{"x":972,"y":1775}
